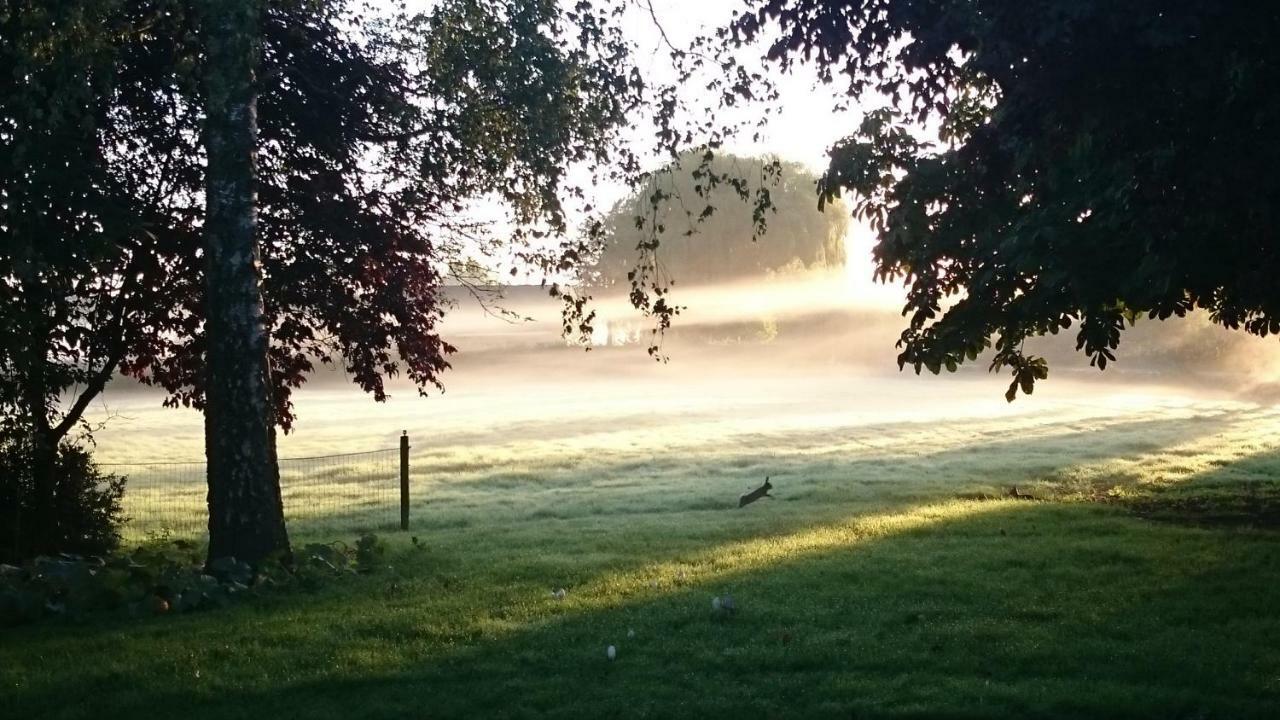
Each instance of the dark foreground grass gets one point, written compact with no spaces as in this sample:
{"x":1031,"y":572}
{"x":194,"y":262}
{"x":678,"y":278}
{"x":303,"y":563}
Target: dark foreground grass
{"x":853,"y":601}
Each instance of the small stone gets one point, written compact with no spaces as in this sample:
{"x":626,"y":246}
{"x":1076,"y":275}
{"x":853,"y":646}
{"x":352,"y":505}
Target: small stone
{"x":611,"y":652}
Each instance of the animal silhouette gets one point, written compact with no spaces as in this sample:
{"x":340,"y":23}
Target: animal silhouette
{"x":760,"y":492}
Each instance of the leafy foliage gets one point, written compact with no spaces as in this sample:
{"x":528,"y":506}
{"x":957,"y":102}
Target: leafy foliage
{"x":1093,"y":162}
{"x":695,"y":218}
{"x":87,"y":511}
{"x":370,"y":552}
{"x":378,"y":133}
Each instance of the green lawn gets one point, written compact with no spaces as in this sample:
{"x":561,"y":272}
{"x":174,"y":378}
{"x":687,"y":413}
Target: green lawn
{"x":887,"y":580}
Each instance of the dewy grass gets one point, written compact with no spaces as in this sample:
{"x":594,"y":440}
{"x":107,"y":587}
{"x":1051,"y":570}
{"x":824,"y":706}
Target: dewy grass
{"x":890,"y":578}
{"x":626,"y":464}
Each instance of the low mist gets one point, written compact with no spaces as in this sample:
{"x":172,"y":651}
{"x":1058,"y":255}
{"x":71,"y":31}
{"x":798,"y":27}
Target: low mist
{"x":801,"y":350}
{"x":793,"y":324}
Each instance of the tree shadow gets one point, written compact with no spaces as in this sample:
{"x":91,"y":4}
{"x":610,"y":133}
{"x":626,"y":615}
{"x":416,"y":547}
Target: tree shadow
{"x":1241,"y":494}
{"x":867,"y":465}
{"x":1229,"y":477}
{"x":900,"y":603}
{"x":809,"y":480}
{"x":995,"y":608}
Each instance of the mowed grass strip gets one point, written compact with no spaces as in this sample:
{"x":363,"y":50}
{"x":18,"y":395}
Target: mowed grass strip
{"x":877,"y":585}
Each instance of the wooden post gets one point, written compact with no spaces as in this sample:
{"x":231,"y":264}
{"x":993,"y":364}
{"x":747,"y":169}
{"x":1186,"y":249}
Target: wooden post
{"x":404,"y":480}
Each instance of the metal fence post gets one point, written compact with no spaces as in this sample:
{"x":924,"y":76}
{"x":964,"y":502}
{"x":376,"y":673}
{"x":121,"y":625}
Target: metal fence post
{"x":404,"y":480}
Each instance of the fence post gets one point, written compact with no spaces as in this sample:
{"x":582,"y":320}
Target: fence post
{"x":404,"y":480}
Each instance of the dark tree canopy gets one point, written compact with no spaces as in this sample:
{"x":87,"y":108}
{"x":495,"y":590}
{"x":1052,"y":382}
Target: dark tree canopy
{"x":691,"y":218}
{"x":376,"y":131}
{"x":1096,"y":161}
{"x":374,"y":138}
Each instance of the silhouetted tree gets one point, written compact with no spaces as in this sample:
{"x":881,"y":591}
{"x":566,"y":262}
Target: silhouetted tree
{"x":375,"y":132}
{"x":65,"y":218}
{"x":691,"y":216}
{"x":246,"y":515}
{"x":1094,"y":162}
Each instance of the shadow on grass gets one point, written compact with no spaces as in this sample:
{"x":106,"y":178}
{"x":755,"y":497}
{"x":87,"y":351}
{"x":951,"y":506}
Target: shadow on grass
{"x":969,"y":610}
{"x":888,"y":605}
{"x":824,"y":486}
{"x":1244,"y":493}
{"x":1229,"y":476}
{"x":901,"y":469}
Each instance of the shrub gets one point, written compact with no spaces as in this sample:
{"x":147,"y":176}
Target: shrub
{"x":155,"y":579}
{"x":370,"y":553}
{"x":87,"y":509}
{"x":164,"y":577}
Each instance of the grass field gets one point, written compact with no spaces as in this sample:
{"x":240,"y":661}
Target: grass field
{"x":888,"y":578}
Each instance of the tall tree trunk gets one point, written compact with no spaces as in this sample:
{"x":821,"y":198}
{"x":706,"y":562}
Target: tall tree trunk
{"x":42,"y":528}
{"x":246,"y":517}
{"x":43,"y":531}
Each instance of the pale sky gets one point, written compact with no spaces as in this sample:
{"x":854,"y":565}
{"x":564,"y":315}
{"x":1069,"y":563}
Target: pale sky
{"x":805,"y":122}
{"x":804,"y":125}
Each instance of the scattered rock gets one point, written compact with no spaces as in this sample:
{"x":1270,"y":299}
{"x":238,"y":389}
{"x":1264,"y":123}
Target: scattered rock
{"x":723,"y":605}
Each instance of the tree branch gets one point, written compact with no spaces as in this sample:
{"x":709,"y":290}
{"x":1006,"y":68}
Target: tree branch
{"x":99,"y":380}
{"x":94,"y":387}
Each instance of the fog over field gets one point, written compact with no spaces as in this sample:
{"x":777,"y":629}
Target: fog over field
{"x":786,"y":353}
{"x":892,"y":548}
{"x":662,"y":258}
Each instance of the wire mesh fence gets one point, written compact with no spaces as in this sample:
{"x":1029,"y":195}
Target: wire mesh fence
{"x":351,"y":492}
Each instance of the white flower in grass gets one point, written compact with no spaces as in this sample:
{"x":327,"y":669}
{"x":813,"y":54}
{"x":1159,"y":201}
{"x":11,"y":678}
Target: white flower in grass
{"x":631,"y":633}
{"x":611,"y":652}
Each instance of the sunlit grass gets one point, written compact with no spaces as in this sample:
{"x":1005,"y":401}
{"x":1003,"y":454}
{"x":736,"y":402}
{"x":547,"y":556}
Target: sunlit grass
{"x":625,"y":464}
{"x":890,"y":577}
{"x":723,"y":562}
{"x":968,"y":607}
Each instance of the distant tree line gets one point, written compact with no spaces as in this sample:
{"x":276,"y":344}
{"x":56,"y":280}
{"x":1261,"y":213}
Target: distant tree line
{"x":696,"y":217}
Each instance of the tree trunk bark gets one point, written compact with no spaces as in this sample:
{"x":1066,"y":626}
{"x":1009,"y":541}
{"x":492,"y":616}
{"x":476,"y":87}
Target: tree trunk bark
{"x":246,"y":517}
{"x":42,"y":530}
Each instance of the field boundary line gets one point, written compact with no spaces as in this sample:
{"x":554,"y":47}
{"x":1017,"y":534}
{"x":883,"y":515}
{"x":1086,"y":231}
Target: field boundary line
{"x":288,"y":459}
